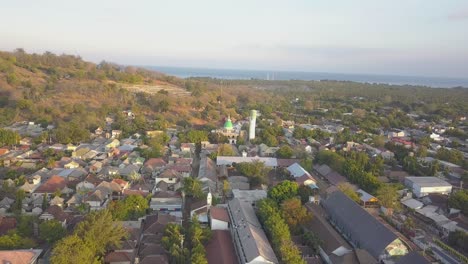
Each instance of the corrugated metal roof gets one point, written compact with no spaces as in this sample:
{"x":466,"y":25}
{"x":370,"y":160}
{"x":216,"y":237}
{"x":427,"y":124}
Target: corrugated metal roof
{"x":227,"y":160}
{"x":363,"y":229}
{"x":247,"y":228}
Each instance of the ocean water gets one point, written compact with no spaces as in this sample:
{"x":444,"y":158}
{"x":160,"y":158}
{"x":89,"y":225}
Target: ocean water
{"x":436,"y":82}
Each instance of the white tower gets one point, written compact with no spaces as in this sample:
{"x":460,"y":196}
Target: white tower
{"x":209,"y":199}
{"x":252,"y":119}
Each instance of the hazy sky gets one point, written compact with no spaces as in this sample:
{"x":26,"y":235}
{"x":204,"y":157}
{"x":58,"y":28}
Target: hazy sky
{"x":406,"y":37}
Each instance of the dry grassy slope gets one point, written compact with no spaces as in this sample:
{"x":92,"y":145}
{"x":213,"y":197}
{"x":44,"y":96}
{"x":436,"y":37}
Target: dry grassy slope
{"x":156,"y":87}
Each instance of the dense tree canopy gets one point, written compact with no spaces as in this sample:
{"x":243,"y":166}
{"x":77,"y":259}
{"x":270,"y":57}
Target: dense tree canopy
{"x":283,"y":191}
{"x":51,"y":231}
{"x":91,"y":239}
{"x":130,"y":208}
{"x":459,"y":200}
{"x":256,"y":171}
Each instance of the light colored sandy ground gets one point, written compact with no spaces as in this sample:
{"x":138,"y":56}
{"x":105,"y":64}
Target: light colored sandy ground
{"x":155,"y":88}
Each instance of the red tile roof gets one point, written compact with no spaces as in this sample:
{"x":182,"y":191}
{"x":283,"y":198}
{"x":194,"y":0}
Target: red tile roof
{"x":3,"y":151}
{"x":283,"y":163}
{"x":16,"y":256}
{"x":52,"y":184}
{"x":160,"y":259}
{"x":304,"y":178}
{"x":220,"y":249}
{"x":118,"y":257}
{"x":219,"y":213}
{"x":58,"y":214}
{"x":155,"y":162}
{"x":6,"y":224}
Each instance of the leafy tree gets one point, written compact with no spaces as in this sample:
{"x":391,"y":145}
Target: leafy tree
{"x":226,"y":188}
{"x":290,"y":253}
{"x":198,"y":234}
{"x":459,"y":240}
{"x":164,"y":106}
{"x":193,"y":136}
{"x":256,"y":171}
{"x":18,"y":204}
{"x":25,"y":225}
{"x":73,"y":250}
{"x":283,"y":191}
{"x":51,"y":231}
{"x":13,"y":240}
{"x":294,"y":213}
{"x":99,"y":232}
{"x":192,"y":187}
{"x":172,"y":241}
{"x":348,"y":189}
{"x":198,"y":255}
{"x":388,"y":196}
{"x":453,"y":155}
{"x":285,"y":152}
{"x":312,"y":240}
{"x":130,"y":208}
{"x":304,"y":192}
{"x":459,"y":200}
{"x":278,"y":231}
{"x":8,"y":137}
{"x":226,"y":150}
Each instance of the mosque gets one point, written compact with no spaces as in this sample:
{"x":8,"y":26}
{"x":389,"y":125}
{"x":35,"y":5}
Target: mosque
{"x":232,"y":132}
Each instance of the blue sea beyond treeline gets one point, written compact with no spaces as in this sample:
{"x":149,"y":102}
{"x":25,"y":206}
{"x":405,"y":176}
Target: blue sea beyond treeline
{"x":436,"y":82}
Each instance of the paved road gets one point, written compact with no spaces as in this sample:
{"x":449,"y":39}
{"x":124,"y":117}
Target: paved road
{"x":445,"y":256}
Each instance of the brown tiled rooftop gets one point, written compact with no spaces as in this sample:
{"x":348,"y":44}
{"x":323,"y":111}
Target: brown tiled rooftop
{"x":219,"y":213}
{"x":52,"y":184}
{"x":220,"y":249}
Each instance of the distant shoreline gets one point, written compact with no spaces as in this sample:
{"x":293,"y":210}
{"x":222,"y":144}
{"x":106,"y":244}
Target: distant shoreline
{"x":433,"y":82}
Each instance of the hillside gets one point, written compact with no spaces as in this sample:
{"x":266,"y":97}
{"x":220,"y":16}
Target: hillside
{"x":64,"y":89}
{"x":48,"y":89}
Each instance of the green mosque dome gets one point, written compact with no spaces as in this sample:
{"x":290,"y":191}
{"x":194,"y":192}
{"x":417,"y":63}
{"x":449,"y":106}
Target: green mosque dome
{"x":228,"y":124}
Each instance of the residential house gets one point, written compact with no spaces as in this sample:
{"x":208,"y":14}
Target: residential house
{"x":53,"y":184}
{"x":366,"y":199}
{"x":30,"y":186}
{"x":151,"y":250}
{"x":71,"y":165}
{"x":266,"y":151}
{"x":153,"y":166}
{"x":329,"y":174}
{"x":126,"y":253}
{"x":219,"y":218}
{"x":301,"y":176}
{"x":187,"y":147}
{"x":168,"y":201}
{"x":183,"y":169}
{"x":95,"y":167}
{"x":57,"y":213}
{"x":98,"y":131}
{"x":169,"y":176}
{"x":116,"y":133}
{"x":208,"y":174}
{"x":20,"y":256}
{"x":100,"y":197}
{"x":5,"y":204}
{"x":57,"y":200}
{"x":89,"y":183}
